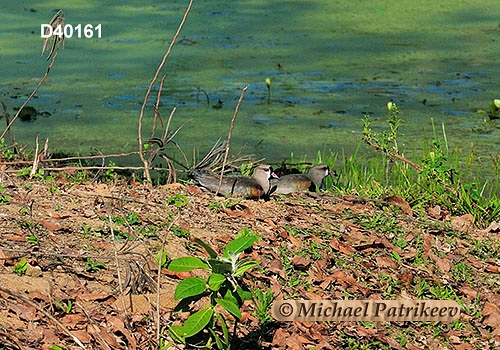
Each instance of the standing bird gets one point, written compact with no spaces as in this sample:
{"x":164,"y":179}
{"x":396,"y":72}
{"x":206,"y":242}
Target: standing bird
{"x":300,"y":182}
{"x":256,"y":186}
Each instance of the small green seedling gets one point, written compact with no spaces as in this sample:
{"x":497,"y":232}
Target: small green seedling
{"x":21,"y":266}
{"x":94,"y":266}
{"x":223,"y":288}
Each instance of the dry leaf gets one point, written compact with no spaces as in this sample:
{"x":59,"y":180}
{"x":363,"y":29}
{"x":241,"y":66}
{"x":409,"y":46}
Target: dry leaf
{"x":491,"y":315}
{"x":3,"y":257}
{"x":383,"y":261}
{"x":82,"y":335}
{"x":52,"y":226}
{"x":343,"y":278}
{"x":492,"y":269}
{"x":24,"y":312}
{"x":174,"y":187}
{"x":109,"y":338}
{"x":280,"y":338}
{"x":296,"y":242}
{"x":406,"y":276}
{"x":71,"y":320}
{"x":340,"y":247}
{"x":401,"y":203}
{"x":442,"y":263}
{"x":300,"y":262}
{"x":427,"y":245}
{"x":434,"y":212}
{"x":245,"y":212}
{"x":462,"y":223}
{"x":478,"y":264}
{"x":466,"y":290}
{"x":494,"y":227}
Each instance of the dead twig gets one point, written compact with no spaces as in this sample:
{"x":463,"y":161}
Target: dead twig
{"x":142,"y":156}
{"x":58,"y":19}
{"x":393,"y":154}
{"x":231,"y":126}
{"x":122,"y":294}
{"x":45,"y":313}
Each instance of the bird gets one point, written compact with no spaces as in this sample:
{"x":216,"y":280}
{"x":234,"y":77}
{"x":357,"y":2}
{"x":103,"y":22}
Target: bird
{"x":299,"y":182}
{"x":256,"y":186}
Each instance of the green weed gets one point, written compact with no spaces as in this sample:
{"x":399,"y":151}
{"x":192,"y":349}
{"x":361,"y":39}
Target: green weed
{"x":223,"y":288}
{"x":94,"y":266}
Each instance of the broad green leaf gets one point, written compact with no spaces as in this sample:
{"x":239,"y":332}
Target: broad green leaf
{"x":187,"y":263}
{"x":190,"y":287}
{"x":225,"y":330}
{"x":197,"y":321}
{"x":232,"y":297}
{"x":177,"y":333}
{"x":229,"y":306}
{"x":243,"y":294}
{"x":245,"y":267}
{"x":218,"y":341}
{"x":239,"y":244}
{"x":215,"y":281}
{"x":220,"y":267}
{"x":212,"y":253}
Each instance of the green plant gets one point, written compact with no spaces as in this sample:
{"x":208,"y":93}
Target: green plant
{"x":263,"y":301}
{"x":384,"y":140}
{"x":462,"y":272}
{"x":110,"y":174}
{"x":33,"y":239}
{"x":4,"y":198}
{"x":133,"y":219}
{"x":7,"y":152}
{"x":65,"y":307}
{"x":215,"y":205}
{"x":94,"y":266}
{"x":87,"y":230}
{"x":179,"y":231}
{"x":21,"y":266}
{"x":24,"y":172}
{"x":179,"y":200}
{"x":223,"y":289}
{"x":162,"y":258}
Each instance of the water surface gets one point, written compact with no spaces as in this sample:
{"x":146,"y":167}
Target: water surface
{"x":330,"y":63}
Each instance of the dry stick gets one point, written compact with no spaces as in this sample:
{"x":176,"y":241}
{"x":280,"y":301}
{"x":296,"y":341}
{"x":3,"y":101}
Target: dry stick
{"x":11,"y":341}
{"x":229,"y":136}
{"x":35,"y":159}
{"x":157,"y":109}
{"x":407,"y":161}
{"x":68,"y":158}
{"x":148,"y":92}
{"x":54,"y":56}
{"x":95,"y":327}
{"x":122,"y":296}
{"x":88,"y":168}
{"x":45,"y":313}
{"x":394,"y":155}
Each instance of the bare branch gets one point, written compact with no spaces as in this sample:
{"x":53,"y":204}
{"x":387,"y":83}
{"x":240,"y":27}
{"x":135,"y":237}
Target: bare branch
{"x":148,"y":92}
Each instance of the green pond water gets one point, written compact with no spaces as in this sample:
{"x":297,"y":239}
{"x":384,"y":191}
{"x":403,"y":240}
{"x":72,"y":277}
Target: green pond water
{"x":330,"y":63}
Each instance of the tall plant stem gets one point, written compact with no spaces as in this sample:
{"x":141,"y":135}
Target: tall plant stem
{"x":144,"y":160}
{"x":228,"y":143}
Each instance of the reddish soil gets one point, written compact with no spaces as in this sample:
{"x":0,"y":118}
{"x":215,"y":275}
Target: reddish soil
{"x":327,"y":241}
